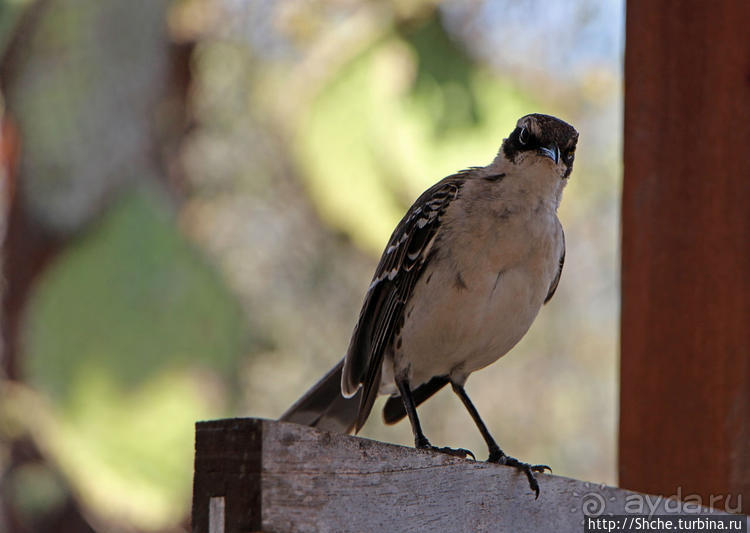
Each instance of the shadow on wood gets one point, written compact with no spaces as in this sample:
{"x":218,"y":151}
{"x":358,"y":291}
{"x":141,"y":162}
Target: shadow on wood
{"x":262,"y":475}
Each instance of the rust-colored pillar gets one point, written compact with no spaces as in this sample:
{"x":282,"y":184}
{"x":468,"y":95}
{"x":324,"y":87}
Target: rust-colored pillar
{"x":685,"y":371}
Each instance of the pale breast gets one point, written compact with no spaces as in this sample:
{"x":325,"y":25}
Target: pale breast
{"x":476,"y":299}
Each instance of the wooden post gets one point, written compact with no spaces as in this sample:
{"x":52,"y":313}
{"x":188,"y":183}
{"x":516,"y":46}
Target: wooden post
{"x":260,"y":475}
{"x":685,"y":379}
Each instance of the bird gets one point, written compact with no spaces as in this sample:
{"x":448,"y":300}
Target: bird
{"x":461,"y":279}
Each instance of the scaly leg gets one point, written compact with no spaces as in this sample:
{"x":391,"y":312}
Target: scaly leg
{"x":496,"y":454}
{"x":420,"y":441}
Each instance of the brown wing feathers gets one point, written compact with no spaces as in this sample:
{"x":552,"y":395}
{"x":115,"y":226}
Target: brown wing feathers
{"x":403,"y":261}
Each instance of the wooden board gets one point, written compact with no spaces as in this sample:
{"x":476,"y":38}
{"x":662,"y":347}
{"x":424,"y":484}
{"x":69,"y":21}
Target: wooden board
{"x":260,"y":475}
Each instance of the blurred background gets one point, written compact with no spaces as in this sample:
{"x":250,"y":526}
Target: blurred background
{"x":194,"y":197}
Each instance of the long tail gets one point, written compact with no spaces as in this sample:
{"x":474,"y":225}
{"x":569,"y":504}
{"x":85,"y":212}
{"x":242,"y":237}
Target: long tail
{"x":324,"y":407}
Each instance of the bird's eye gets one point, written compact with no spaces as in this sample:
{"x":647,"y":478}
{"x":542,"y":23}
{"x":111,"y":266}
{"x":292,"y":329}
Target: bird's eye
{"x":569,"y":154}
{"x":523,"y":136}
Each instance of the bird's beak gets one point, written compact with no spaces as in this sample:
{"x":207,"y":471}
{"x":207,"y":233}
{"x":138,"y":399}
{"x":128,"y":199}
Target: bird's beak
{"x":553,"y":152}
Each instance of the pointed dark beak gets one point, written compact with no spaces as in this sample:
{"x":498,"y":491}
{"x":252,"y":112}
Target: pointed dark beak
{"x":553,"y":152}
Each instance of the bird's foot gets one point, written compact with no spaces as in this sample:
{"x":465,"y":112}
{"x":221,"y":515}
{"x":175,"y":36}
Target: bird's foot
{"x":456,"y":452}
{"x":497,"y":456}
{"x":424,"y":444}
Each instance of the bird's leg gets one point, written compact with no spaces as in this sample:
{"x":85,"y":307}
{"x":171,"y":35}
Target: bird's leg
{"x":420,"y":441}
{"x":496,"y":454}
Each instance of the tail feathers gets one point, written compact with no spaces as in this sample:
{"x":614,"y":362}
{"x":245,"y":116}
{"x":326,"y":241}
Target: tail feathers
{"x":394,"y":410}
{"x":324,"y":407}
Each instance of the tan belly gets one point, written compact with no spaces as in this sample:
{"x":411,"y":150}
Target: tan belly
{"x":459,"y":331}
{"x":463,"y":325}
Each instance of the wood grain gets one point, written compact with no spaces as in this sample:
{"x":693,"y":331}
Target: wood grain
{"x":282,"y":477}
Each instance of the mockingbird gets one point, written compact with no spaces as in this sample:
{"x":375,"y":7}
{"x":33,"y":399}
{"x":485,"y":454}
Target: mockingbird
{"x":460,"y":281}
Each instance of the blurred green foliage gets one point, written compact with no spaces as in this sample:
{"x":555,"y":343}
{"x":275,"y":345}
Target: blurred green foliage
{"x":401,"y":113}
{"x":122,"y":335}
{"x":445,"y":73}
{"x":130,"y":300}
{"x":85,"y":83}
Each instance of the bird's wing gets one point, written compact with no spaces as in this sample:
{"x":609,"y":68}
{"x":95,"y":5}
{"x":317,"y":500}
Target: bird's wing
{"x":408,"y":252}
{"x":556,"y":280}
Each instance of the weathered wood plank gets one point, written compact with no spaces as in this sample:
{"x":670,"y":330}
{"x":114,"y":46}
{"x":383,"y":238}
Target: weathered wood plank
{"x":282,"y":477}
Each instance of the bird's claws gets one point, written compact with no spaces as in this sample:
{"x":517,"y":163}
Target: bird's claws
{"x":526,"y":468}
{"x":456,"y":452}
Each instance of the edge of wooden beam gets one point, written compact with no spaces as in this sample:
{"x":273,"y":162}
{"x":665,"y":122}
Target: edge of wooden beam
{"x":277,"y":476}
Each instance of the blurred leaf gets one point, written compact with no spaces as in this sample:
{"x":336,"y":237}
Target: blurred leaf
{"x":445,"y":72}
{"x":131,"y":300}
{"x":82,"y":67}
{"x":368,"y":145}
{"x":117,"y":333}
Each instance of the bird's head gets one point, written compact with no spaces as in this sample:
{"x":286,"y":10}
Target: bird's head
{"x":542,"y":139}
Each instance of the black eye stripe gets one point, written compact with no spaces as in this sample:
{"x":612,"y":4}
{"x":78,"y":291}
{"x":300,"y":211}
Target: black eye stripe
{"x":535,"y":131}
